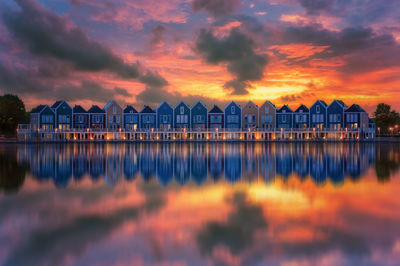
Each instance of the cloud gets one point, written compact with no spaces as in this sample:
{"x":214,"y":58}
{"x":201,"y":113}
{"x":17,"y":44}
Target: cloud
{"x":216,"y":8}
{"x":314,"y":6}
{"x":157,"y":34}
{"x":49,"y":35}
{"x":238,"y":51}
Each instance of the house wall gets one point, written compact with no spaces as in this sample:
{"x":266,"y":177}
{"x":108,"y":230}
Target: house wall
{"x":80,"y":120}
{"x":216,"y":121}
{"x":63,"y":116}
{"x":233,"y":116}
{"x":47,"y":119}
{"x":131,"y":121}
{"x":284,"y":120}
{"x":318,"y":116}
{"x":183,"y":112}
{"x":266,"y":116}
{"x":250,"y":116}
{"x":198,"y":117}
{"x":148,"y":121}
{"x":335,"y":117}
{"x":301,"y":119}
{"x":165,"y":115}
{"x":114,"y":116}
{"x":97,"y":120}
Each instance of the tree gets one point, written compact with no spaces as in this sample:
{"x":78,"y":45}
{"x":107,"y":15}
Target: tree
{"x":385,"y":117}
{"x":12,"y":112}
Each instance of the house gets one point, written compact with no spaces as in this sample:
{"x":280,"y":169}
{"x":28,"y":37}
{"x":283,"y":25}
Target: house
{"x":335,"y":115}
{"x":356,"y":118}
{"x":181,"y":116}
{"x":148,"y":118}
{"x":215,"y":118}
{"x":113,"y":115}
{"x":198,"y":116}
{"x":301,"y":117}
{"x":318,"y":117}
{"x":80,"y":117}
{"x":250,"y":116}
{"x":63,"y":112}
{"x":266,"y":116}
{"x":284,"y":117}
{"x":131,"y":118}
{"x":233,"y":116}
{"x":97,"y":117}
{"x":42,"y":117}
{"x":165,"y":113}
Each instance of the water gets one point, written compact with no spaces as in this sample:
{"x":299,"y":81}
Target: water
{"x":200,"y":204}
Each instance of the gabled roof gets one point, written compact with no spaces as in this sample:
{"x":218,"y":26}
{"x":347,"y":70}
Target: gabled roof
{"x":303,"y":108}
{"x":321,"y":102}
{"x":355,"y":108}
{"x":340,"y":102}
{"x":56,"y":104}
{"x":163,"y":103}
{"x":232,"y":102}
{"x":215,"y":110}
{"x":96,"y":110}
{"x":147,"y":110}
{"x":250,"y":103}
{"x":324,"y":103}
{"x":129,"y":109}
{"x":285,"y":108}
{"x":199,"y":103}
{"x":109,"y":104}
{"x":273,"y":105}
{"x":38,"y":109}
{"x":182,"y":102}
{"x":79,"y":110}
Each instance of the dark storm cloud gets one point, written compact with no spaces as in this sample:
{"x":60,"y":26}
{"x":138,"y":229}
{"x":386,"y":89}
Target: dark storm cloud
{"x":157,"y":34}
{"x":238,"y":51}
{"x":48,"y":35}
{"x":153,"y":80}
{"x":216,"y":7}
{"x":313,"y":6}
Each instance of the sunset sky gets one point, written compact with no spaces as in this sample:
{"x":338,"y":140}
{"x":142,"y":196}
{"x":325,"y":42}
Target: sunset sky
{"x":147,"y":51}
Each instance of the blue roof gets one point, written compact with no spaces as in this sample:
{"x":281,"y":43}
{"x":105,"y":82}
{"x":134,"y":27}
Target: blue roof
{"x":38,"y":109}
{"x":56,"y":104}
{"x":355,"y":108}
{"x":79,"y":110}
{"x":285,"y":108}
{"x":129,"y":109}
{"x":147,"y":110}
{"x":303,"y":108}
{"x":96,"y":110}
{"x":216,"y":110}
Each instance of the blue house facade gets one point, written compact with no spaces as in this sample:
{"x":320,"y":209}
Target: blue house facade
{"x":165,"y":113}
{"x":284,"y":117}
{"x":97,"y":117}
{"x":42,"y":117}
{"x":233,"y":116}
{"x":63,"y":112}
{"x":148,"y":118}
{"x":335,"y":114}
{"x":356,"y":118}
{"x":131,"y":119}
{"x":198,"y":116}
{"x":301,"y":117}
{"x":80,"y":117}
{"x":215,"y":118}
{"x":318,"y":117}
{"x":182,"y":116}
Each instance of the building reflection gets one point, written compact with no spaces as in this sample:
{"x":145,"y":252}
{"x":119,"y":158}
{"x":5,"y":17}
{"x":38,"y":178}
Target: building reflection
{"x":198,"y":162}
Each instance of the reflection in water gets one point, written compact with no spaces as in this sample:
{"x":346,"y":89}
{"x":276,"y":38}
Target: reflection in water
{"x":197,"y":162}
{"x":200,"y":204}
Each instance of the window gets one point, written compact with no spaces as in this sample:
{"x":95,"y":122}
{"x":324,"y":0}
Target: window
{"x":114,"y":109}
{"x":182,"y":109}
{"x":284,"y":118}
{"x":80,"y":118}
{"x":118,"y":119}
{"x":254,"y":118}
{"x":317,"y":108}
{"x":165,"y":119}
{"x":110,"y":119}
{"x":233,"y":110}
{"x":266,"y":110}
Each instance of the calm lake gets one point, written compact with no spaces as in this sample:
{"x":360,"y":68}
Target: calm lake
{"x":200,"y":204}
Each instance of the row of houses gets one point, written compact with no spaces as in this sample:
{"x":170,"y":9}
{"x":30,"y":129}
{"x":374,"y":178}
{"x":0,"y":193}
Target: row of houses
{"x":320,"y":116}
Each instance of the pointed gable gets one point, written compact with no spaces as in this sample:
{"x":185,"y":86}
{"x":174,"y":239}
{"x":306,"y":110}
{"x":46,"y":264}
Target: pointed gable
{"x":56,"y":104}
{"x":215,"y":110}
{"x":96,"y":110}
{"x":302,"y":109}
{"x":79,"y":110}
{"x":355,"y":108}
{"x":130,"y":109}
{"x":285,"y":109}
{"x":147,"y":110}
{"x":38,"y":109}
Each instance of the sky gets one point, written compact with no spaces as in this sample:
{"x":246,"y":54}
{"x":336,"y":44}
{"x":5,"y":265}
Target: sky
{"x":144,"y":52}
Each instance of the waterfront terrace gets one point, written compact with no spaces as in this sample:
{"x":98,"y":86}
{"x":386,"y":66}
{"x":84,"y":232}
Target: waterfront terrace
{"x":61,"y":122}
